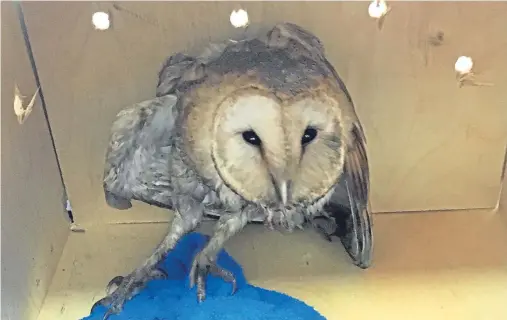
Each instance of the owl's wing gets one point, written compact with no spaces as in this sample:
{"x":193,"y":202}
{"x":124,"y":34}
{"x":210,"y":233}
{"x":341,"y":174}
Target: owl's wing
{"x":358,"y":237}
{"x":176,"y":69}
{"x":349,"y":206}
{"x":181,"y":71}
{"x":141,"y":136}
{"x":136,"y":165}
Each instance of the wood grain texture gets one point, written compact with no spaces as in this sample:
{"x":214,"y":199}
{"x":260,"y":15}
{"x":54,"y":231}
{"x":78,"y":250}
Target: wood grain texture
{"x":34,"y":225}
{"x":432,"y":145}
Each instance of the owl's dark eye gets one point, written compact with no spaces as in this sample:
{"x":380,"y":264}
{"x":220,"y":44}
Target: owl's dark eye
{"x":308,"y":136}
{"x":252,"y":138}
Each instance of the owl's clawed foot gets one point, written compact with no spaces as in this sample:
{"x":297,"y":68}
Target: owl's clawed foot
{"x":204,"y":266}
{"x":283,"y":221}
{"x":269,"y":223}
{"x":326,"y":227}
{"x":121,"y":289}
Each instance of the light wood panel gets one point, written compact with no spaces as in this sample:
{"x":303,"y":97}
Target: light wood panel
{"x":34,"y":225}
{"x":432,"y":145}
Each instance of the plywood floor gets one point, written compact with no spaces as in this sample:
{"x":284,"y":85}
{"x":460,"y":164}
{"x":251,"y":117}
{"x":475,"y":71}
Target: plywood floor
{"x":445,"y":265}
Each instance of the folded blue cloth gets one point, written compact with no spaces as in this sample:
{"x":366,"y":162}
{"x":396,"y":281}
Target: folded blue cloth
{"x":172,"y":299}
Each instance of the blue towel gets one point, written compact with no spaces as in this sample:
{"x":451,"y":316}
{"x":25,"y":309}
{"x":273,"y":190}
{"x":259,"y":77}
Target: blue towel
{"x":172,"y":299}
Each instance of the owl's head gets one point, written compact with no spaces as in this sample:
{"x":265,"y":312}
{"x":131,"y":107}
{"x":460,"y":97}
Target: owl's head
{"x":271,"y":150}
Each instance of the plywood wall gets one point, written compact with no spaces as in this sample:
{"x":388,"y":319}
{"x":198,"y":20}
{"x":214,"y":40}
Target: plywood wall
{"x":432,"y":145}
{"x":34,"y":226}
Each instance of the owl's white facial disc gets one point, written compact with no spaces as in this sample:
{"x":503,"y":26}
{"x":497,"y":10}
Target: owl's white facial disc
{"x":278,"y":153}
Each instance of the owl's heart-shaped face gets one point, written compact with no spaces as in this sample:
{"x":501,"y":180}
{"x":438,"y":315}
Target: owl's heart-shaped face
{"x":278,"y":152}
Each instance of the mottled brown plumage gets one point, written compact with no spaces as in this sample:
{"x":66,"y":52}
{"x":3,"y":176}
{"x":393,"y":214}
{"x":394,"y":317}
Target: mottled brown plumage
{"x":256,"y":130}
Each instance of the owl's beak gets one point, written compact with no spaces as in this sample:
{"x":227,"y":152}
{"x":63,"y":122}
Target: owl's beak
{"x":283,"y":190}
{"x":281,"y":183}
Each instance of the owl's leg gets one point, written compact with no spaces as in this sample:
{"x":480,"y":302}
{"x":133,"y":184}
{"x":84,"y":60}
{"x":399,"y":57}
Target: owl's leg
{"x":205,"y":261}
{"x":130,"y":285}
{"x":268,"y":222}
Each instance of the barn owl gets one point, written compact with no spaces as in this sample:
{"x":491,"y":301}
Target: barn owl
{"x":256,"y":130}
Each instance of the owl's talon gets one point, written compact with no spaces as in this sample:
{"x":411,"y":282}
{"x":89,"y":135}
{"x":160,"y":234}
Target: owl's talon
{"x":102,"y":302}
{"x":116,"y":281}
{"x":109,"y":313}
{"x":202,"y":267}
{"x":112,"y":310}
{"x":126,"y":288}
{"x":325,"y":226}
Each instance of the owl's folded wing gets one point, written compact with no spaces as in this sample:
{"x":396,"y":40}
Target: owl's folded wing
{"x":358,"y":238}
{"x":136,"y":165}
